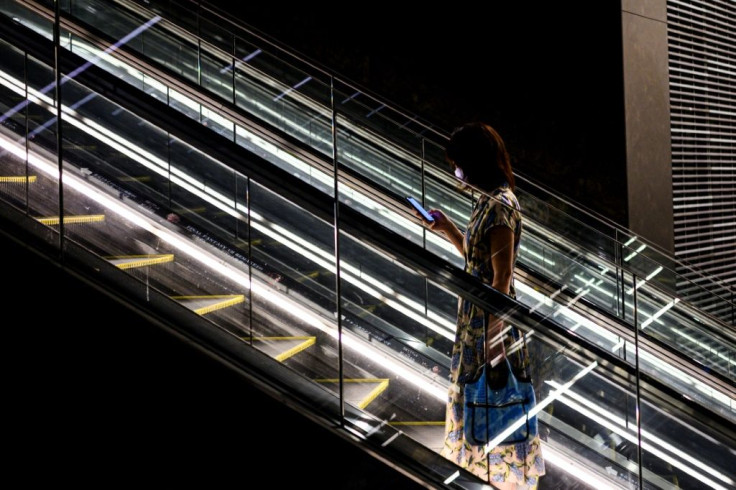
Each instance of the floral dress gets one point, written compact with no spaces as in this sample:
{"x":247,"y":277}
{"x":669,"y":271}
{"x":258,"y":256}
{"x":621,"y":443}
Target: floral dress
{"x":517,"y":463}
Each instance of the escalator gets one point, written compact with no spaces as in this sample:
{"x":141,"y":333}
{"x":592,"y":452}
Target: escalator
{"x":241,"y":254}
{"x":575,"y":273}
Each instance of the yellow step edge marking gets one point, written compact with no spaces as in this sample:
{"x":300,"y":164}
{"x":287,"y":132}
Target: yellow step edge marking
{"x":418,"y":423}
{"x":382,"y":385}
{"x":18,"y":179}
{"x":142,"y":260}
{"x":89,"y":218}
{"x":296,"y":349}
{"x":232,"y":299}
{"x":308,"y":341}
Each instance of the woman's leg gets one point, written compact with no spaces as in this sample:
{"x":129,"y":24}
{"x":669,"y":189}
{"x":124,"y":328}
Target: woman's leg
{"x":505,"y":486}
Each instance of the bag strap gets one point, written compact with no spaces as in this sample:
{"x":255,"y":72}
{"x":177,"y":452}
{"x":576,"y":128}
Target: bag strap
{"x":493,"y":340}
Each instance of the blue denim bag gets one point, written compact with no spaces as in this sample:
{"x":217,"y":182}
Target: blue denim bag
{"x":489,"y":411}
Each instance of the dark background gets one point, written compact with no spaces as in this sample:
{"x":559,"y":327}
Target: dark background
{"x":547,"y":75}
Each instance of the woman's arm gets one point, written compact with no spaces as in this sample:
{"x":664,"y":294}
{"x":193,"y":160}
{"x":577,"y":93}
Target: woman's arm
{"x":502,"y":257}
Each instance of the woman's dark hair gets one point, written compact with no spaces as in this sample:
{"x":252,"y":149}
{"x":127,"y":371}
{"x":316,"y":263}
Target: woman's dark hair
{"x":481,"y":153}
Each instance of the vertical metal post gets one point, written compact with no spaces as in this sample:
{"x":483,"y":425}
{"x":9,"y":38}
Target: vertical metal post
{"x":336,"y":227}
{"x":424,"y":230}
{"x":199,"y":52}
{"x":250,"y":260}
{"x":27,"y":187}
{"x":235,"y":59}
{"x":59,"y":141}
{"x":638,"y":387}
{"x":620,"y":285}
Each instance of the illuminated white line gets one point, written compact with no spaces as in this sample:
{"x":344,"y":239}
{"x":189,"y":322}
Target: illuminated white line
{"x":661,"y":312}
{"x":621,"y":427}
{"x":697,"y":342}
{"x":452,"y":478}
{"x":634,"y":253}
{"x":589,"y":282}
{"x":576,"y":469}
{"x":528,"y":251}
{"x":641,"y":282}
{"x":618,"y":346}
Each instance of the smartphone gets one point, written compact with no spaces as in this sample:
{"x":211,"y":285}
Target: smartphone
{"x":427,"y":217}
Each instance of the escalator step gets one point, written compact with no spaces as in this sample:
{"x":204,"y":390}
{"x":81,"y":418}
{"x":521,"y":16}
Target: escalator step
{"x":209,"y":303}
{"x":72,"y":220}
{"x":133,"y":261}
{"x":17,"y":179}
{"x":274,"y":346}
{"x":359,"y":391}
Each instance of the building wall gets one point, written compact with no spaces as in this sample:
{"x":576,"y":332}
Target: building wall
{"x":702,"y":66}
{"x":647,"y":115}
{"x":680,"y":111}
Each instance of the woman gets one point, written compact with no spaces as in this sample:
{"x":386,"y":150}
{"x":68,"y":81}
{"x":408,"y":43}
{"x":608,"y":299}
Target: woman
{"x":490,"y":244}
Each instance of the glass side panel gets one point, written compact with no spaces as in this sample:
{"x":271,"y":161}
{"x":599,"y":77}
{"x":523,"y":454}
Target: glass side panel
{"x":216,"y":34}
{"x":396,"y":128}
{"x":294,"y":298}
{"x":42,"y":140}
{"x":297,"y":104}
{"x":678,"y":452}
{"x":28,"y":18}
{"x":16,"y":176}
{"x":217,"y":75}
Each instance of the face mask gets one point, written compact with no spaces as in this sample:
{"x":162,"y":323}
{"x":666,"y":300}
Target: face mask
{"x":459,"y":173}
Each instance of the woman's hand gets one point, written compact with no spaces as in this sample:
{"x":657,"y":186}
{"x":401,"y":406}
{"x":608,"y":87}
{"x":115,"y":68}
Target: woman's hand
{"x":444,"y":225}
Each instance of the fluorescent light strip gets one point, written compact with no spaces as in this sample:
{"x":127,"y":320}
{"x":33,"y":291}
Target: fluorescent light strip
{"x":575,"y":469}
{"x":589,"y":282}
{"x":545,"y":300}
{"x":621,"y":427}
{"x":641,"y":282}
{"x":662,"y":311}
{"x":568,"y":313}
{"x":692,"y":339}
{"x":673,"y":372}
{"x":633,"y":254}
{"x":529,"y":251}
